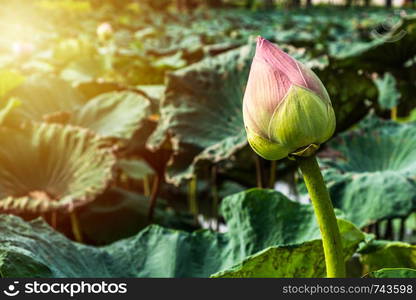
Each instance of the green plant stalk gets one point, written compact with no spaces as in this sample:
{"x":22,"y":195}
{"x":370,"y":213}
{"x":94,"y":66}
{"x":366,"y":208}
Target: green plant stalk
{"x":192,"y":191}
{"x":324,"y":211}
{"x":76,"y":228}
{"x":259,"y":172}
{"x":393,"y":113}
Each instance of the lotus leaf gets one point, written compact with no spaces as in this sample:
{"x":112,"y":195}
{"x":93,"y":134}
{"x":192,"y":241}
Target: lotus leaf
{"x":373,"y":179}
{"x":388,"y":95}
{"x":385,"y":254}
{"x":114,"y":114}
{"x":300,"y":260}
{"x":43,"y":95}
{"x":9,"y":80}
{"x":393,"y":273}
{"x":48,"y":167}
{"x":256,"y":220}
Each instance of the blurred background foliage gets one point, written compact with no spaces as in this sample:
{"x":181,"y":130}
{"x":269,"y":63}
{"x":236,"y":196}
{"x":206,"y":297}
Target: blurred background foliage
{"x":160,"y":84}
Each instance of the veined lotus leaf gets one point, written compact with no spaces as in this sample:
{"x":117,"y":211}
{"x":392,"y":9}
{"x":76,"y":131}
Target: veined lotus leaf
{"x":28,"y":266}
{"x":374,"y":178}
{"x":388,"y":95}
{"x":385,"y":254}
{"x":135,"y":168}
{"x":393,"y":273}
{"x":301,"y":260}
{"x":84,"y":69}
{"x":41,"y":96}
{"x":155,"y":94}
{"x":350,"y":105}
{"x":202,"y":111}
{"x":256,"y":219}
{"x":9,"y":80}
{"x":115,"y":114}
{"x":48,"y":167}
{"x":153,"y":91}
{"x":91,"y":89}
{"x":7,"y":108}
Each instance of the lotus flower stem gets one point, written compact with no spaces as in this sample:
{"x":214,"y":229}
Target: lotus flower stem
{"x":259,"y":180}
{"x":76,"y":229}
{"x":153,"y":197}
{"x":393,"y":113}
{"x":54,"y":219}
{"x":214,"y":193}
{"x":192,"y":191}
{"x":146,"y":186}
{"x":324,"y":211}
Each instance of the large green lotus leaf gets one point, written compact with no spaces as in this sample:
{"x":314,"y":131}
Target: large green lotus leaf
{"x":9,"y":80}
{"x":350,"y":105}
{"x":388,"y":94}
{"x":114,"y":114}
{"x":7,"y":108}
{"x":42,"y":95}
{"x":373,"y":179}
{"x":385,"y":254}
{"x":48,"y":167}
{"x":154,"y":93}
{"x":201,"y":110}
{"x":84,"y":69}
{"x":27,"y":266}
{"x":302,"y":260}
{"x":256,"y":219}
{"x":393,"y":273}
{"x":135,"y":168}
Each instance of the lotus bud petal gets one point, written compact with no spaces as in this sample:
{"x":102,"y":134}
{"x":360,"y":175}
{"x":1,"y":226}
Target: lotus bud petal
{"x":23,"y":49}
{"x":286,"y":108}
{"x":104,"y":31}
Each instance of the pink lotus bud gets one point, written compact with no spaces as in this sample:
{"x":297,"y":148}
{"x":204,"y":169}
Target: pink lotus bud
{"x":104,"y":31}
{"x":23,"y":48}
{"x":286,"y":108}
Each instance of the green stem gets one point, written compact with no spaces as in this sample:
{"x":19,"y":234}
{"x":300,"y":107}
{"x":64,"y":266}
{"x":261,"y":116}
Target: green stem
{"x":192,"y":191}
{"x":393,"y":113}
{"x":331,"y":238}
{"x":258,"y":171}
{"x":54,"y":219}
{"x":146,"y":186}
{"x":76,"y":228}
{"x":153,"y":197}
{"x":214,"y":193}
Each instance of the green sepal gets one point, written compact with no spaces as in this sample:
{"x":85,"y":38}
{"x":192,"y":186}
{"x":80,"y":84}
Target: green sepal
{"x":302,"y":119}
{"x":267,"y":149}
{"x":306,"y":151}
